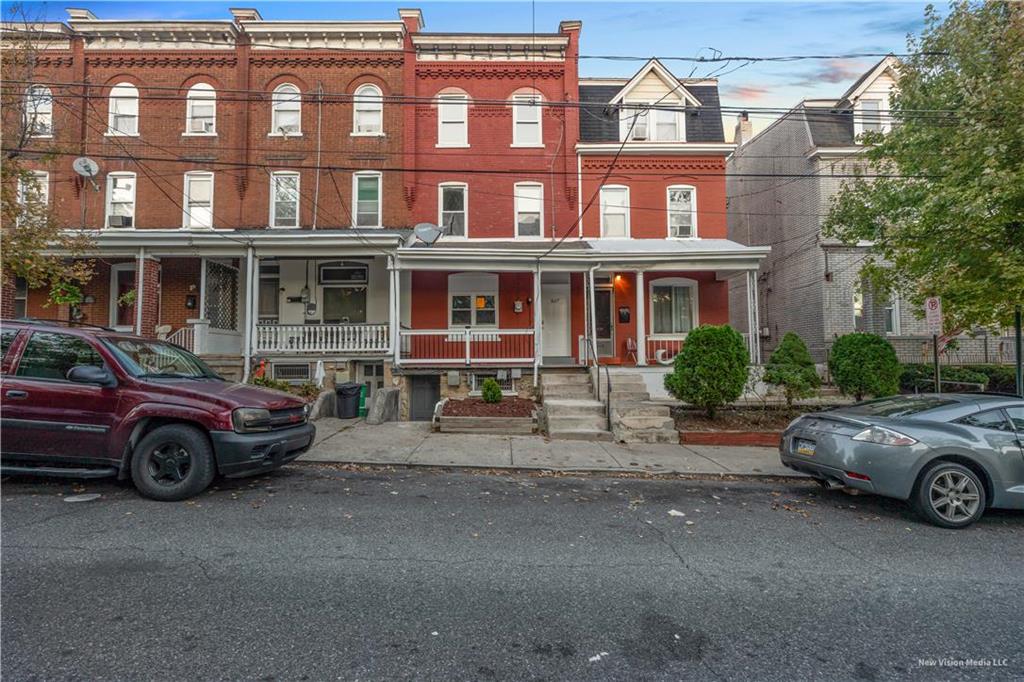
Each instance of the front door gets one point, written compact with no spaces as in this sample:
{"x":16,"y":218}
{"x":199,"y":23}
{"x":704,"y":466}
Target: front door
{"x":605,"y":327}
{"x":122,"y":281}
{"x":555,"y":320}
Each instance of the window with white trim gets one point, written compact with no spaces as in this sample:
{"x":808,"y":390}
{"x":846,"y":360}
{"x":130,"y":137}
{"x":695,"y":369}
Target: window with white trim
{"x":655,"y":121}
{"x":34,"y":197}
{"x":452,"y":114}
{"x":344,"y":292}
{"x":673,"y":305}
{"x":123,"y":110}
{"x":39,"y":111}
{"x":453,"y":208}
{"x":284,"y":199}
{"x":870,"y":115}
{"x":615,"y":211}
{"x":198,"y":203}
{"x":368,"y":108}
{"x":366,"y":193}
{"x":286,"y":110}
{"x":120,"y":201}
{"x":529,"y":200}
{"x":666,"y":125}
{"x":526,"y":121}
{"x":682,"y":211}
{"x":892,"y":315}
{"x":201,"y":110}
{"x":473,"y":299}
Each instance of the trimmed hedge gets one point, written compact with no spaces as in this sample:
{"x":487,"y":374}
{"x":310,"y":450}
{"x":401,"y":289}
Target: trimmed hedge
{"x":711,"y":369}
{"x":1000,"y":378}
{"x":864,"y":364}
{"x":791,"y":368}
{"x":490,"y":390}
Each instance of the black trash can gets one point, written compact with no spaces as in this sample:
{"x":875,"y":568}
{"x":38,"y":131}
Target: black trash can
{"x":347,"y":395}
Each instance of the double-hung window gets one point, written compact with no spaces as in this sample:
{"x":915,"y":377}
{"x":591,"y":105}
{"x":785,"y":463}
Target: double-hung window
{"x":526,"y":118}
{"x":286,"y":111}
{"x":123,"y":110}
{"x":34,"y":189}
{"x":366,"y":191}
{"x":284,"y":199}
{"x":682,"y":212}
{"x":666,"y":125}
{"x":344,"y":292}
{"x":673,"y":305}
{"x":529,"y":210}
{"x":615,"y":212}
{"x":454,"y":203}
{"x":870,"y":115}
{"x":201,"y":110}
{"x":198,"y":200}
{"x":368,"y":106}
{"x":892,"y":315}
{"x":120,"y":200}
{"x":452,"y":112}
{"x":39,"y":111}
{"x":473,"y":310}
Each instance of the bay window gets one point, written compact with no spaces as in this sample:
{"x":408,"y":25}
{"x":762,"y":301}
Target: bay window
{"x":673,"y":305}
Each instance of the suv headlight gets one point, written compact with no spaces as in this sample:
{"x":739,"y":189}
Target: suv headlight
{"x":883,"y":436}
{"x":250,"y":419}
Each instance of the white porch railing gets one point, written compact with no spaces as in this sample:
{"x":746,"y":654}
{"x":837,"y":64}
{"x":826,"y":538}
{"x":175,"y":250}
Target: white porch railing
{"x":467,"y":346}
{"x":184,"y":337}
{"x":322,"y":338}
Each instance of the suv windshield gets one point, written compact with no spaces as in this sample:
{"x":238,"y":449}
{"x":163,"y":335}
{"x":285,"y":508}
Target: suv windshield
{"x":144,"y":358}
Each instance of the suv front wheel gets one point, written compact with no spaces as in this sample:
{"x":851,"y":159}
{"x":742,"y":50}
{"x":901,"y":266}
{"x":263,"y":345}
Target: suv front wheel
{"x":173,"y":462}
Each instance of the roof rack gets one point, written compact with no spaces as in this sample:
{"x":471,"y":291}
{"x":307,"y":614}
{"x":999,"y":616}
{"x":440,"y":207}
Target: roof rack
{"x":58,"y":323}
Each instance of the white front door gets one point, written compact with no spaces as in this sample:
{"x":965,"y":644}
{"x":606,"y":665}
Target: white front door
{"x":555,"y":320}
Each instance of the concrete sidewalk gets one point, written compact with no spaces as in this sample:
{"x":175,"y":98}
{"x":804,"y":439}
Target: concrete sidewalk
{"x":352,"y":441}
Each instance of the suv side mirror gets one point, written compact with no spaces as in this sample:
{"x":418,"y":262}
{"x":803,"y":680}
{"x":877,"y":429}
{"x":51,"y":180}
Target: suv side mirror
{"x":91,"y":374}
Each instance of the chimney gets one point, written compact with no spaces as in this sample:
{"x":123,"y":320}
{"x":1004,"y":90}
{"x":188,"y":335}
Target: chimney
{"x":413,"y":20}
{"x":245,"y":14}
{"x":76,"y":14}
{"x":744,"y":130}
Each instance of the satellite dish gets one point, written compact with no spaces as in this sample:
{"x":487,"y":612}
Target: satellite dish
{"x":428,"y":233}
{"x":86,"y":167}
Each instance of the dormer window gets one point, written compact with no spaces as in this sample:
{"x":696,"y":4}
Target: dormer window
{"x":655,"y":122}
{"x":870,"y":115}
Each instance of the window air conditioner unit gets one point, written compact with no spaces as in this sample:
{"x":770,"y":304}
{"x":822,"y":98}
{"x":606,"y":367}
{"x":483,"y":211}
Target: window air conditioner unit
{"x":201,"y":126}
{"x":119,"y":221}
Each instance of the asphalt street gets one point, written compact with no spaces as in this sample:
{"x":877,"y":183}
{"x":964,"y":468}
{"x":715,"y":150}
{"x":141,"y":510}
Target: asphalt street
{"x":318,"y":573}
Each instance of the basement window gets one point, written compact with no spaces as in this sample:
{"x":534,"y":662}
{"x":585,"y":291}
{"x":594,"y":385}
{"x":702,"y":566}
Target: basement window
{"x":292,"y":373}
{"x":502,"y":376}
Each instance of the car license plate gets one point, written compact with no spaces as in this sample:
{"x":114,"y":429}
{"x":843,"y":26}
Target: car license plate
{"x":804,"y":447}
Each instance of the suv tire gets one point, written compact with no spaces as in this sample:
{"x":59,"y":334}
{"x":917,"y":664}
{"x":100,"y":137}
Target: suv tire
{"x":173,"y":462}
{"x":950,"y":495}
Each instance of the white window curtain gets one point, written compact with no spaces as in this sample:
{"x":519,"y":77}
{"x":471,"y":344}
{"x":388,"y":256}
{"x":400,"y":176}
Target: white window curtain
{"x":526,"y":115}
{"x":452,"y":111}
{"x":284,"y":196}
{"x":529,"y":202}
{"x":286,"y":118}
{"x":201,"y":110}
{"x":39,"y":111}
{"x":369,"y":111}
{"x":123,"y":116}
{"x":615,"y":212}
{"x":198,"y":200}
{"x":672,"y":307}
{"x":120,"y":200}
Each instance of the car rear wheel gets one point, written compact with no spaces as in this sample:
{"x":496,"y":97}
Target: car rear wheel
{"x":950,"y":495}
{"x":173,"y":462}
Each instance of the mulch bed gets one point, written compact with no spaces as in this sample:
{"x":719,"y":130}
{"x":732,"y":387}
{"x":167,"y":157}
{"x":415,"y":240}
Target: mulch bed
{"x":476,"y":407}
{"x":736,"y":419}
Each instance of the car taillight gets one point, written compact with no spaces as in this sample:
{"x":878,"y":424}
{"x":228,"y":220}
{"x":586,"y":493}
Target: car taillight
{"x":883,"y":436}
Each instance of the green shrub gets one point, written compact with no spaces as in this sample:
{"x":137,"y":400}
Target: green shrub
{"x":711,"y":369}
{"x":267,"y":382}
{"x":490,"y":391}
{"x":864,"y":364}
{"x":921,"y":378}
{"x":1002,"y":378}
{"x":792,"y":368}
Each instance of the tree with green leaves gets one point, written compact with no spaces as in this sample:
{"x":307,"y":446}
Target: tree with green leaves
{"x":864,"y":364}
{"x":792,"y":368}
{"x":947,"y":217}
{"x":711,"y":369}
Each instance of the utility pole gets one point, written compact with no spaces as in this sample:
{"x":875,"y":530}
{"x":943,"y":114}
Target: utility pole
{"x":1017,"y":349}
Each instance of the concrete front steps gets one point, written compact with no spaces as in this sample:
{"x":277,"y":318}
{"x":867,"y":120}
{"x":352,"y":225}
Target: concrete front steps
{"x":571,"y":411}
{"x":228,"y":366}
{"x":635,"y":419}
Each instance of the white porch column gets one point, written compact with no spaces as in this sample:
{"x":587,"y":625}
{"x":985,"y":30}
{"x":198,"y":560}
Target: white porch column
{"x":202,"y":288}
{"x":641,"y":320}
{"x":254,"y":311}
{"x":538,"y":339}
{"x":140,"y":284}
{"x":753,"y":319}
{"x":247,"y":335}
{"x":593,"y":313}
{"x":396,"y":314}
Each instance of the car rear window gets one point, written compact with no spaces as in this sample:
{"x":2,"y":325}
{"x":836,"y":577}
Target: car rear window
{"x":900,"y":406}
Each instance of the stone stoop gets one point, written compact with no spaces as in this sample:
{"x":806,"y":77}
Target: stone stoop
{"x":570,"y":409}
{"x":228,"y":366}
{"x":635,"y":419}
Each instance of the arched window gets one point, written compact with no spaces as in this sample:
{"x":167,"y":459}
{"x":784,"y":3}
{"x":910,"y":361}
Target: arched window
{"x":201,"y":110}
{"x":452,"y":123}
{"x":39,"y":111}
{"x":123,"y":110}
{"x":368,"y":108}
{"x":286,"y":114}
{"x":526,"y":120}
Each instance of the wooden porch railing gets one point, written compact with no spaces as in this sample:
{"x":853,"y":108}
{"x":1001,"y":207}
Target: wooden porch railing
{"x":322,"y":338}
{"x":467,"y":346}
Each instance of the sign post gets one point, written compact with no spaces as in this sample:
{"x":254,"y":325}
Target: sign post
{"x":933,"y":320}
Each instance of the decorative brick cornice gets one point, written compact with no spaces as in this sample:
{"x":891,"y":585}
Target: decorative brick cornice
{"x":183,"y":60}
{"x":489,"y":71}
{"x":320,"y":59}
{"x":55,"y":61}
{"x":673,"y":165}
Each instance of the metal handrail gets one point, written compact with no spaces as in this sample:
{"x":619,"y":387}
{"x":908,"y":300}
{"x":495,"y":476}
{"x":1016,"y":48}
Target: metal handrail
{"x":592,"y":353}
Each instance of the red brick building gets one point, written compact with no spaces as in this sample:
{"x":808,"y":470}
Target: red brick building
{"x":258,"y":181}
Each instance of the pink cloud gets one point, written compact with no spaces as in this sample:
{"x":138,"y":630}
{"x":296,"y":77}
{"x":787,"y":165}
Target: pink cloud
{"x":747,"y":93}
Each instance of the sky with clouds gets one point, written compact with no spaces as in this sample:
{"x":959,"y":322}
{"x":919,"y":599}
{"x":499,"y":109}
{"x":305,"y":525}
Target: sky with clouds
{"x":642,"y":29}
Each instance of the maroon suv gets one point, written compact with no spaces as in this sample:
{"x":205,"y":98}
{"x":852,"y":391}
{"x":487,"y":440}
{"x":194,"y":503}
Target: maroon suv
{"x":90,"y":402}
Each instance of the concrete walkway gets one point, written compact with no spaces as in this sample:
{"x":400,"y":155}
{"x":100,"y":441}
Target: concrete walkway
{"x":352,"y":441}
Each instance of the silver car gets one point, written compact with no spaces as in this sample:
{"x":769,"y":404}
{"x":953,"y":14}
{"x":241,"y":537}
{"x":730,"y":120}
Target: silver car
{"x":952,"y":455}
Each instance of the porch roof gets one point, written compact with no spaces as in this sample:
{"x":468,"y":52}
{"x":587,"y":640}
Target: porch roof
{"x":583,"y":254}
